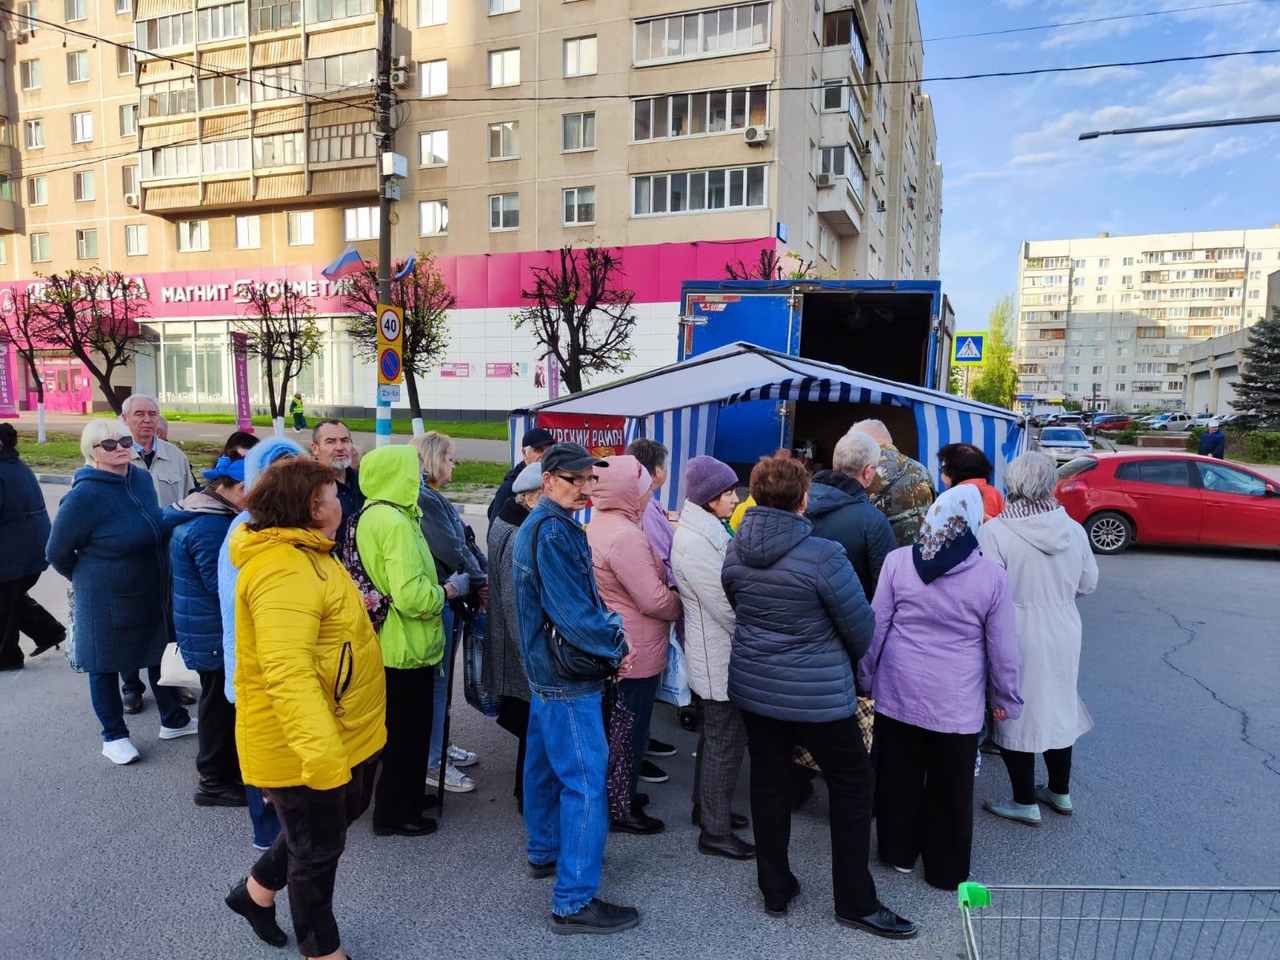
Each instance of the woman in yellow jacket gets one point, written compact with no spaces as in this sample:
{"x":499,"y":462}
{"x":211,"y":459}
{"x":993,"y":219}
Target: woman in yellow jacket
{"x":310,"y":699}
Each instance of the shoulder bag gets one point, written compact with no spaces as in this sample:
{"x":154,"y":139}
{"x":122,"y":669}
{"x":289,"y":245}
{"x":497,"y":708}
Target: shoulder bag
{"x":572,"y":663}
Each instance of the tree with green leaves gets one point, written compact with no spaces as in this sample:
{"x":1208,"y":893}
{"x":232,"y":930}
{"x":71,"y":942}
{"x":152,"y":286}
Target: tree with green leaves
{"x":279,"y":322}
{"x":426,"y":300}
{"x":955,"y":381}
{"x":997,"y":384}
{"x":1258,"y":392}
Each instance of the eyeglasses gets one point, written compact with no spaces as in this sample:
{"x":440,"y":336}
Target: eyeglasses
{"x":579,"y":481}
{"x":111,"y":444}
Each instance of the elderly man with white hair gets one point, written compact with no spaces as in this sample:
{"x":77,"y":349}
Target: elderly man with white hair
{"x":1049,"y":563}
{"x":840,"y":509}
{"x":901,"y":489}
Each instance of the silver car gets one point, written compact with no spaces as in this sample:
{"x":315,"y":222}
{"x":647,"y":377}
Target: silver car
{"x":1063,"y":444}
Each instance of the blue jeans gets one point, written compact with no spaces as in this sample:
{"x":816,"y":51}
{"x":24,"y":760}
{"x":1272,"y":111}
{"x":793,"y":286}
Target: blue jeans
{"x":639,"y":696}
{"x":266,"y":825}
{"x":441,"y":689}
{"x":566,"y":811}
{"x":109,"y":706}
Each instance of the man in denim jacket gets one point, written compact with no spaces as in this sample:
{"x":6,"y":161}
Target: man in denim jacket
{"x":566,"y":810}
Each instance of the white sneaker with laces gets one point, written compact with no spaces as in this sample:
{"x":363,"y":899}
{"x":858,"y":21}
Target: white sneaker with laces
{"x":462,"y":758}
{"x":121,"y":751}
{"x":173,"y":733}
{"x":455,"y":781}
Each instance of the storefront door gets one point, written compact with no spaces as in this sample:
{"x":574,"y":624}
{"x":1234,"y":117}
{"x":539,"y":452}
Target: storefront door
{"x":67,"y":386}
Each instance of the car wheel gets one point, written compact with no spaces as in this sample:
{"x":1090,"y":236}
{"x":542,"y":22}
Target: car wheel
{"x":1109,"y":532}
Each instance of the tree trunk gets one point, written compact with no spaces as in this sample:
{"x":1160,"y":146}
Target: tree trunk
{"x":104,"y":384}
{"x":571,"y":377}
{"x":276,"y":411}
{"x":40,"y":434}
{"x":277,"y":426}
{"x":415,"y":407}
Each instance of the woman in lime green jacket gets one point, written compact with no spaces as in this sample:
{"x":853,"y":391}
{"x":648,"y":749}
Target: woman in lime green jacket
{"x":397,"y":560}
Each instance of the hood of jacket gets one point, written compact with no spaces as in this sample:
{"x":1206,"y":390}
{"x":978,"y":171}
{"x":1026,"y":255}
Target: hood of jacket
{"x":194,"y":505}
{"x":246,"y":544}
{"x":266,"y":453}
{"x":1050,"y":533}
{"x":832,"y":490}
{"x":767,"y":535}
{"x":620,"y":487}
{"x":391,"y":474}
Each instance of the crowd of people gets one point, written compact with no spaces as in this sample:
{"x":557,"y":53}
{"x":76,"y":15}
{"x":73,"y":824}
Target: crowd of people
{"x":851,"y":623}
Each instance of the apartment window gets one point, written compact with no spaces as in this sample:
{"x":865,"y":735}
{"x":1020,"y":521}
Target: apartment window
{"x":278,"y":150}
{"x":733,"y":188}
{"x":342,"y":70}
{"x":504,"y":140}
{"x":1104,"y":263}
{"x":503,"y":6}
{"x":129,"y":178}
{"x":302,"y":228}
{"x":86,"y":244}
{"x":433,"y":148}
{"x":193,"y":235}
{"x":579,"y":205}
{"x":824,"y":238}
{"x":277,"y":83}
{"x":691,"y":114}
{"x":433,"y":218}
{"x":161,"y":33}
{"x":29,"y":74}
{"x":707,"y":33}
{"x":41,"y":249}
{"x":82,"y":127}
{"x":360,"y":223}
{"x":504,"y":67}
{"x":124,"y":6}
{"x":125,"y":60}
{"x":833,"y":94}
{"x":223,"y":91}
{"x":504,"y":211}
{"x":1121,"y":370}
{"x":37,"y":190}
{"x":322,"y":11}
{"x":135,"y":239}
{"x":78,"y":66}
{"x":342,"y":141}
{"x":434,"y":77}
{"x":83,"y":186}
{"x":580,"y":57}
{"x":432,"y":13}
{"x":33,"y":134}
{"x":28,"y":17}
{"x":4,"y":252}
{"x":577,"y":132}
{"x":274,"y":14}
{"x":75,"y":10}
{"x":225,"y":156}
{"x":248,"y":233}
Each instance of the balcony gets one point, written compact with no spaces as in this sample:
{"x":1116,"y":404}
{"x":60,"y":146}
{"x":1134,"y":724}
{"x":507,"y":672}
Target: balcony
{"x":839,"y":204}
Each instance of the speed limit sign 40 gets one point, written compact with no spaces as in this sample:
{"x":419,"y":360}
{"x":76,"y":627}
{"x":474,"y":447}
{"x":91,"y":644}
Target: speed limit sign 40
{"x":390,"y":325}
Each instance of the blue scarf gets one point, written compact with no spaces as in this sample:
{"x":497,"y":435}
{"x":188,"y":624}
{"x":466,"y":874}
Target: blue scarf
{"x":950,"y":555}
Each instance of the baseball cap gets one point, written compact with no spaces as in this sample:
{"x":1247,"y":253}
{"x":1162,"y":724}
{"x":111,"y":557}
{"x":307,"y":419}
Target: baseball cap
{"x":537,"y":438}
{"x":569,"y":458}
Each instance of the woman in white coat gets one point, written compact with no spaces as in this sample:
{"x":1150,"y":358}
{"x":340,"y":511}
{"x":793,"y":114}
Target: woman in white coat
{"x":1049,"y":562}
{"x":697,"y":556}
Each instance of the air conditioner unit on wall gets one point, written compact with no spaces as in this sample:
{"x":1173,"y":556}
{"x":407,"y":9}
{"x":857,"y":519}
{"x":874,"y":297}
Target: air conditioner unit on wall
{"x":756,"y":136}
{"x":826,"y":180}
{"x":399,"y":79}
{"x":400,"y":63}
{"x":130,"y":199}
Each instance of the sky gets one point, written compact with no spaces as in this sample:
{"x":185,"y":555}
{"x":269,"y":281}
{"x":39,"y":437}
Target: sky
{"x":1013,"y":168}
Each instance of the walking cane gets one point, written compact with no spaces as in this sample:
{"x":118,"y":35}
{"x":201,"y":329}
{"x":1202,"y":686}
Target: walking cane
{"x":456,"y":606}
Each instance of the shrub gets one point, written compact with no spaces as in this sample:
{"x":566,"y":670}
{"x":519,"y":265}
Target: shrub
{"x":1262,"y":446}
{"x":1193,"y":439}
{"x":1129,"y":434}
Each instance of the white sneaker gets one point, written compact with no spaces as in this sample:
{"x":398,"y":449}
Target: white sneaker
{"x":173,"y":733}
{"x":121,"y":751}
{"x":462,"y":758}
{"x":455,"y":781}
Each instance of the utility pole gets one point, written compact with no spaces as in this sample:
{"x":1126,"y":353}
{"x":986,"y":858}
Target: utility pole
{"x":386,"y":186}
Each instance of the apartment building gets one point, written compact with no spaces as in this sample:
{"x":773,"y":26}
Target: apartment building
{"x":235,"y":144}
{"x":1108,"y":317}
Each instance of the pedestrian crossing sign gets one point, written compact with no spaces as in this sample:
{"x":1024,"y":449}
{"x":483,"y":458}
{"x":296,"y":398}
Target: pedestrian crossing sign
{"x":969,"y":348}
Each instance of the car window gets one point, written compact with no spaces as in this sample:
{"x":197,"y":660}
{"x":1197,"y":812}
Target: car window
{"x":1223,"y":479}
{"x":1169,"y":472}
{"x":1077,"y":466}
{"x":1062,"y":436}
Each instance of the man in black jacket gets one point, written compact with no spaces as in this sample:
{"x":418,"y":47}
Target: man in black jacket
{"x":840,"y":509}
{"x":533,"y":445}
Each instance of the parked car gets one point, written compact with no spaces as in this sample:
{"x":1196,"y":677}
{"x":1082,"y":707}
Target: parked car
{"x":1173,"y":421}
{"x":1114,"y":421}
{"x":1169,"y":498}
{"x":1202,"y":419}
{"x":1068,"y":420}
{"x":1063,"y":443}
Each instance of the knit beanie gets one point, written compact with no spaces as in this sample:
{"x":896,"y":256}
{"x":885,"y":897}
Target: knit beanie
{"x":705,"y":478}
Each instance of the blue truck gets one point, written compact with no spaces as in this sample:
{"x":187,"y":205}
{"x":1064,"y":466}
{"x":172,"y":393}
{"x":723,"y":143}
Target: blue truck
{"x":899,"y":330}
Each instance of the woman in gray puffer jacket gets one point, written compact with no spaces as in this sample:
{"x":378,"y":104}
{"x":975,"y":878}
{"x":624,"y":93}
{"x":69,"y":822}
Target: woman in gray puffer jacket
{"x":802,"y":622}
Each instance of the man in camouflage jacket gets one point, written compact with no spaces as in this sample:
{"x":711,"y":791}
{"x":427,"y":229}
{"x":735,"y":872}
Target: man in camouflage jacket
{"x":901,"y":488}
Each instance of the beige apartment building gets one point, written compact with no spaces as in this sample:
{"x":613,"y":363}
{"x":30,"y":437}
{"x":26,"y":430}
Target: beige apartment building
{"x":1108,"y":317}
{"x":202,"y":145}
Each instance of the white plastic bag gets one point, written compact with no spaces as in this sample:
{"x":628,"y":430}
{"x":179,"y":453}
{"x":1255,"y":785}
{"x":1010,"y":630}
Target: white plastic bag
{"x":674,"y":686}
{"x":174,"y":671}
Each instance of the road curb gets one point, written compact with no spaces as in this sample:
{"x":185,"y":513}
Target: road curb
{"x":54,"y":478}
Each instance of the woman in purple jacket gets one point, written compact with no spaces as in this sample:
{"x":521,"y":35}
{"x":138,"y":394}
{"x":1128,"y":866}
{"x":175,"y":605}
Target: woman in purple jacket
{"x":945,"y":645}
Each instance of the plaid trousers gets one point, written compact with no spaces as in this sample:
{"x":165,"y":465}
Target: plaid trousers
{"x":715,"y":775}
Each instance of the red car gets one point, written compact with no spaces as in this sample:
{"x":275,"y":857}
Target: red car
{"x":1169,"y":498}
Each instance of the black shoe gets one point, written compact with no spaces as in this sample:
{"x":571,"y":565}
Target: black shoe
{"x":262,"y":919}
{"x":49,"y":645}
{"x":213,"y":795}
{"x":883,"y":923}
{"x":736,"y":820}
{"x":597,"y":917}
{"x":11,"y":665}
{"x":780,"y":909}
{"x":650,"y":772}
{"x":639,"y":823}
{"x":414,"y":828}
{"x":186,"y":697}
{"x":730,"y":845}
{"x":657,"y":748}
{"x":540,"y":871}
{"x":132,"y":703}
{"x":689,"y":719}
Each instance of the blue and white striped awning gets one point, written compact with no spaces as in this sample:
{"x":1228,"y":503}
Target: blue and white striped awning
{"x":818,"y":390}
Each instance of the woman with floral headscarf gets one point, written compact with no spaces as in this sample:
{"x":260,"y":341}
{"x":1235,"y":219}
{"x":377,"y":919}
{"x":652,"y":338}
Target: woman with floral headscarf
{"x":945,"y":645}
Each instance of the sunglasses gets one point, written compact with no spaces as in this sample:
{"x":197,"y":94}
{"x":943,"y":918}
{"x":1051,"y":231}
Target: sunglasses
{"x":110,"y":445}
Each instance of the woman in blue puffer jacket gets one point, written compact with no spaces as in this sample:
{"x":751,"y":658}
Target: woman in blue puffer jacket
{"x":199,"y":524}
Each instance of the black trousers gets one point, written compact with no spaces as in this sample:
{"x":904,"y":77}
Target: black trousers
{"x":20,"y":614}
{"x":402,"y":781}
{"x":305,"y":855}
{"x":924,"y":799}
{"x":1022,"y":772}
{"x":513,"y":717}
{"x":217,"y":761}
{"x":837,"y":747}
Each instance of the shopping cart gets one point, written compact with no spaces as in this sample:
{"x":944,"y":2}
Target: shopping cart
{"x":1110,"y":923}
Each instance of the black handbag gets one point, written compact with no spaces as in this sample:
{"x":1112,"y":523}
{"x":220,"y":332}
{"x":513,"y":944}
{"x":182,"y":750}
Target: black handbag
{"x":572,"y":663}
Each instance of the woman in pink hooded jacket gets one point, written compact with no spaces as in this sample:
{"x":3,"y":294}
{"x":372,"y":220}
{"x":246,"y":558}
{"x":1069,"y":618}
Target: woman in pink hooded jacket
{"x":633,"y":583}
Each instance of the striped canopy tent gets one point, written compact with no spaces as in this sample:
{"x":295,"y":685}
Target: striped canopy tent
{"x":678,"y":406}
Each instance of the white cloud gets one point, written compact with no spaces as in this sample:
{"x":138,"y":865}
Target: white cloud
{"x":1036,"y":159}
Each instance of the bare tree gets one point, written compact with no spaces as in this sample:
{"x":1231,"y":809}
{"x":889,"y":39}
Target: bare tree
{"x":21,"y":327}
{"x":769,"y":267}
{"x":426,"y":300}
{"x":281,"y":330}
{"x":580,"y":313}
{"x":97,"y":316}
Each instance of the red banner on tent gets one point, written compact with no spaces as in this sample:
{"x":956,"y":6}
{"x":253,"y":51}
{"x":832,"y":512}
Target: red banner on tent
{"x":603,"y":436}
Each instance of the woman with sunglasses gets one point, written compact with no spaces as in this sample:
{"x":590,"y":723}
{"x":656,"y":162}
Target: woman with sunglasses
{"x":110,"y":541}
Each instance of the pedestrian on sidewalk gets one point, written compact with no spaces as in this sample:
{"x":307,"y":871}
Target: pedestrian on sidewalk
{"x":298,"y":412}
{"x":110,"y":541}
{"x":1050,"y":564}
{"x":24,"y":531}
{"x":533,"y":445}
{"x":1213,"y":442}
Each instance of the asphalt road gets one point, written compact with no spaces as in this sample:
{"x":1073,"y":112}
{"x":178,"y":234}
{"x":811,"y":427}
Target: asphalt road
{"x":1179,"y":783}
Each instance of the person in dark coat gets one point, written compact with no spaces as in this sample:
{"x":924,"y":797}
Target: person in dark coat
{"x":1213,"y":442}
{"x":24,"y":531}
{"x":533,"y":445}
{"x":110,"y":541}
{"x":840,"y":509}
{"x":801,"y":625}
{"x":199,"y":523}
